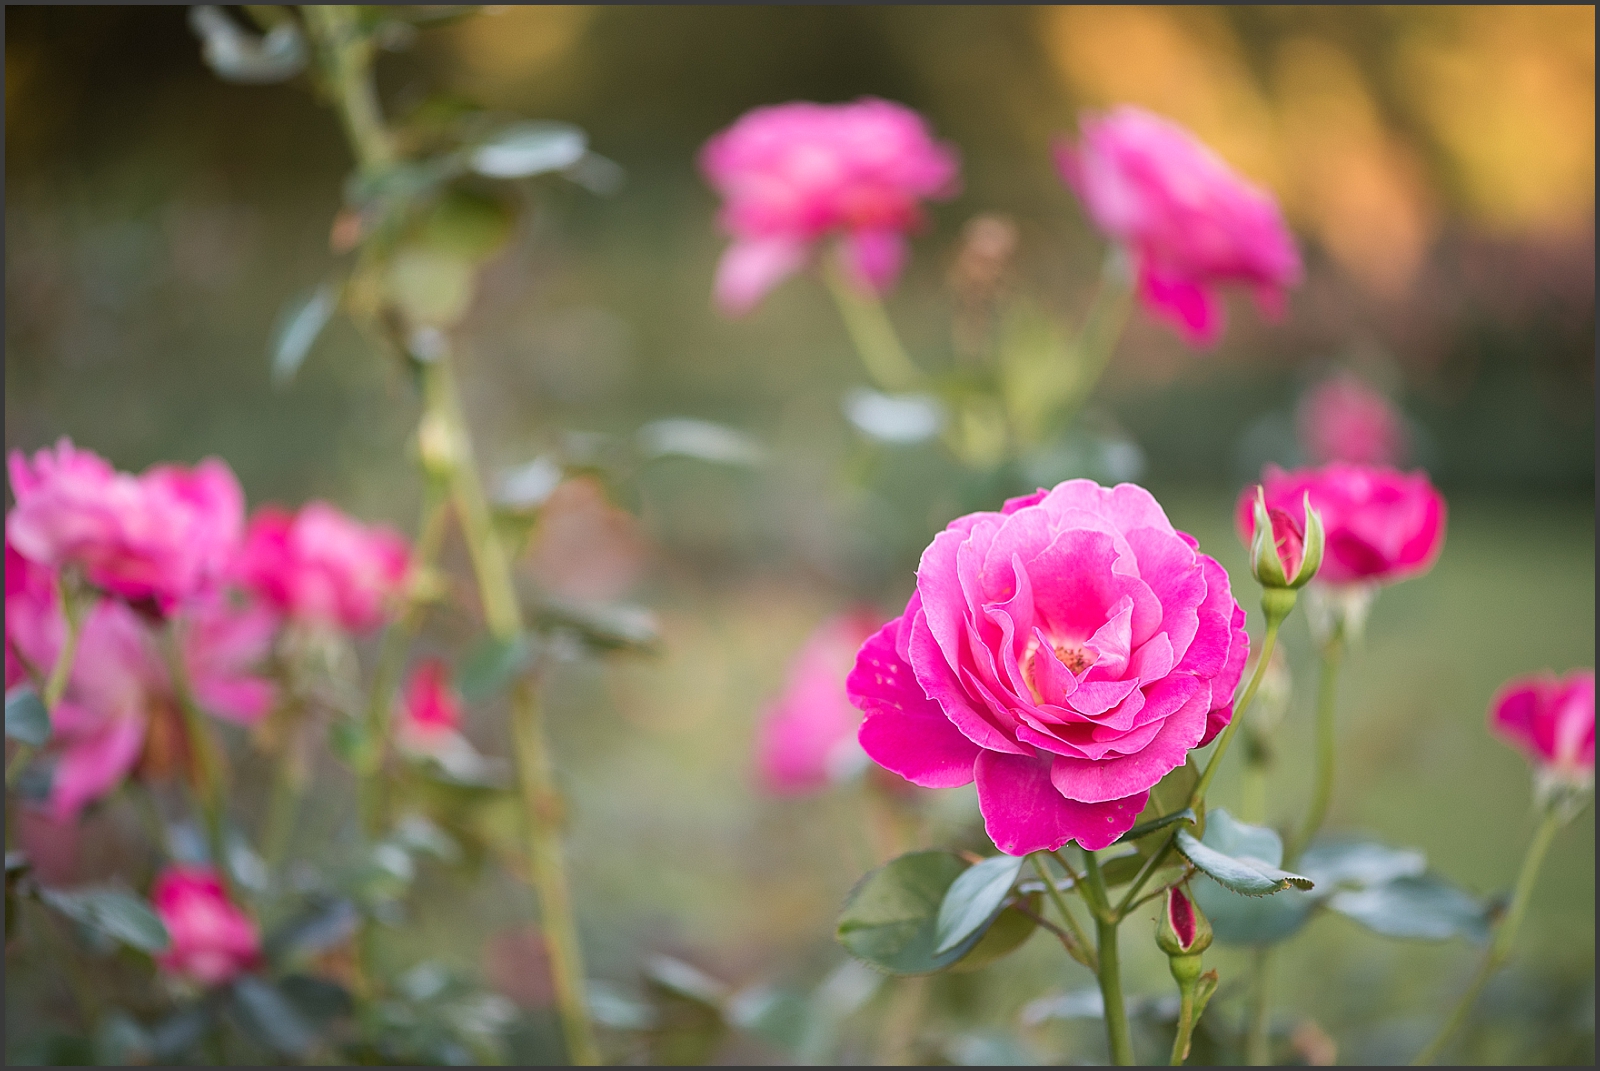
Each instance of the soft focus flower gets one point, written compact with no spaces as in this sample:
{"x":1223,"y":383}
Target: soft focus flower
{"x":791,"y":174}
{"x":431,"y":711}
{"x":808,"y":735}
{"x":322,"y":568}
{"x":226,"y":641}
{"x":1381,"y":525}
{"x":1343,"y":419}
{"x":1066,"y":653}
{"x":35,"y":628}
{"x":158,"y":537}
{"x":1552,"y":719}
{"x":1189,"y":220}
{"x":213,"y":941}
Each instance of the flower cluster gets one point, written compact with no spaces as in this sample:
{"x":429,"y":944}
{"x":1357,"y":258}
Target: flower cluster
{"x":166,"y":552}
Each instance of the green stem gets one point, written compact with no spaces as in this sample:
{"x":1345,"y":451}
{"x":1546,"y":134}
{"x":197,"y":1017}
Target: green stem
{"x":874,"y":336}
{"x":347,"y":62}
{"x":1110,"y":971}
{"x":1102,"y":327}
{"x":1084,"y":952}
{"x":1322,"y":790}
{"x":1257,"y":1044}
{"x":1185,"y":1035}
{"x":288,"y":782}
{"x":209,"y":790}
{"x":55,"y":685}
{"x":1505,"y":933}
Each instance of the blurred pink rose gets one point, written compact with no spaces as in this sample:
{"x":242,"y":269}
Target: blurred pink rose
{"x":1552,"y":719}
{"x":1343,"y":419}
{"x":808,"y":735}
{"x":320,"y":567}
{"x":1382,"y":525}
{"x":1188,"y":219}
{"x":1066,"y":652}
{"x":35,"y":628}
{"x":120,"y":682}
{"x":791,"y":174}
{"x":158,"y":538}
{"x":431,"y":712}
{"x":213,"y":941}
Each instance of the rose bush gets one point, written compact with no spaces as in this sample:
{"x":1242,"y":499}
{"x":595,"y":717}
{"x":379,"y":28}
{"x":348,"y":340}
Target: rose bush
{"x":1066,"y":653}
{"x":1190,"y":222}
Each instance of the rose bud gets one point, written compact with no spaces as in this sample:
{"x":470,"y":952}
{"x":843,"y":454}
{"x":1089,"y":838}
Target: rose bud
{"x":1183,"y":933}
{"x":1290,"y":556}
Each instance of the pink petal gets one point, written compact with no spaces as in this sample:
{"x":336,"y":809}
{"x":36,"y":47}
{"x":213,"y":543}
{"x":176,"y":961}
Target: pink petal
{"x":751,"y":267}
{"x":874,"y":258}
{"x":905,"y":731}
{"x":1022,"y":811}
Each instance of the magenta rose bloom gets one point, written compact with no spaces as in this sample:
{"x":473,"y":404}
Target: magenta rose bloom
{"x":35,"y":628}
{"x":320,"y":567}
{"x":1552,"y":719}
{"x":155,"y":538}
{"x":1343,"y":419}
{"x":1382,"y":525}
{"x":431,"y":712}
{"x":791,"y":174}
{"x":807,"y":737}
{"x":213,"y":941}
{"x":1066,"y":653}
{"x":1190,"y":222}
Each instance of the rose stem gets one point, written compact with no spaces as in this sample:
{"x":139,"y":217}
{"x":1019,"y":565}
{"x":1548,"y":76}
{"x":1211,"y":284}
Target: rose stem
{"x":60,"y":673}
{"x":871,"y":330}
{"x":1322,"y":789}
{"x":1110,"y":972}
{"x":1084,"y":953}
{"x":348,"y":58}
{"x":1506,"y":932}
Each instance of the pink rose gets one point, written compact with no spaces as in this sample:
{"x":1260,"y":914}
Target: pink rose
{"x":1066,"y":653}
{"x":791,"y":174}
{"x":320,"y":567}
{"x":1382,"y":525}
{"x":430,"y":715}
{"x":807,"y":737}
{"x":1190,"y":222}
{"x":35,"y":628}
{"x":119,"y":682}
{"x":213,"y":941}
{"x":154,"y":538}
{"x":1343,"y":419}
{"x":1552,"y":719}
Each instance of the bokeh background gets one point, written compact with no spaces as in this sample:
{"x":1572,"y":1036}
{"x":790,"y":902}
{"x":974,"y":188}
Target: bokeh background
{"x":1437,"y":164}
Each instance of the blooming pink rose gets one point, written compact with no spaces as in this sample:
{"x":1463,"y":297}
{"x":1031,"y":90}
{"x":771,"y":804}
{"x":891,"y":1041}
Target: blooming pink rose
{"x":1382,"y":525}
{"x":321,"y":567}
{"x":1066,"y":653}
{"x":1343,"y":419}
{"x":213,"y":941}
{"x":1552,"y":719}
{"x":119,"y":682}
{"x":35,"y":628}
{"x":431,"y":712}
{"x":159,"y":537}
{"x":808,"y":735}
{"x":792,"y":173}
{"x":1188,"y":219}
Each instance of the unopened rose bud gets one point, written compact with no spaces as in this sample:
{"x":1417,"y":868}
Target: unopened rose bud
{"x":1283,"y":553}
{"x":1183,"y":933}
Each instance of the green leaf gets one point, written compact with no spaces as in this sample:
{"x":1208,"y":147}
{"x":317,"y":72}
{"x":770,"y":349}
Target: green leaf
{"x":606,"y":628}
{"x":236,"y":55}
{"x":530,"y":148}
{"x":490,"y":665}
{"x":890,"y":919}
{"x":1335,"y":863}
{"x":466,"y":224}
{"x":699,"y":439}
{"x":1241,"y":857}
{"x":321,"y":925}
{"x":432,"y":286}
{"x":173,"y":1037}
{"x":265,"y":1012}
{"x":1426,"y":906}
{"x":112,"y":911}
{"x":974,"y":900}
{"x":299,"y":325}
{"x":1252,"y":920}
{"x":318,"y":1000}
{"x":1007,"y":933}
{"x":26,"y":718}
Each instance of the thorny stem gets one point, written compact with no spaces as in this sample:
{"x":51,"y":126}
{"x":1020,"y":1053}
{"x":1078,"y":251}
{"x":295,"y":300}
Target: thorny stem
{"x":348,"y":61}
{"x":1506,"y":932}
{"x":1110,"y":971}
{"x":874,"y":336}
{"x":1084,"y":952}
{"x":1322,"y":791}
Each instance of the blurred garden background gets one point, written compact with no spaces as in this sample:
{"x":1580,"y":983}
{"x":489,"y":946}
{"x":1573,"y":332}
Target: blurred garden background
{"x":1437,"y":165}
